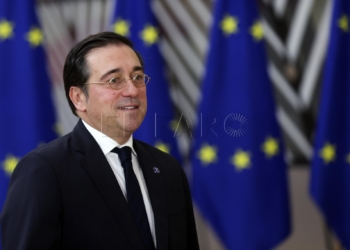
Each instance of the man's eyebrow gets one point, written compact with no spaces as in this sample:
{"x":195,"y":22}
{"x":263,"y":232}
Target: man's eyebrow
{"x":137,"y":68}
{"x":110,"y":72}
{"x":118,"y":70}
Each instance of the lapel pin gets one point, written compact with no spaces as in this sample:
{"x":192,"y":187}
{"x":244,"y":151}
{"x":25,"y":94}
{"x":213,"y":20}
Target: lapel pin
{"x":156,"y":170}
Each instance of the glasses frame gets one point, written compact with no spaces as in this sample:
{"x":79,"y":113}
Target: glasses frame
{"x":124,"y":82}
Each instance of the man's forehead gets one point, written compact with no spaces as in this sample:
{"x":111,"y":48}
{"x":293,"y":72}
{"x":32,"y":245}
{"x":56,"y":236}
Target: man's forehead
{"x":110,"y":52}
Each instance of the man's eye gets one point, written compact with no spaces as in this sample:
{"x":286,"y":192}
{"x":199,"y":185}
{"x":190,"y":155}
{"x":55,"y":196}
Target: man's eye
{"x":138,"y":77}
{"x":116,"y":80}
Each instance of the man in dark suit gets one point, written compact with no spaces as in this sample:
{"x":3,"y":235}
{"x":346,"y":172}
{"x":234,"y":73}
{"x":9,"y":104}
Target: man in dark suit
{"x":97,"y":187}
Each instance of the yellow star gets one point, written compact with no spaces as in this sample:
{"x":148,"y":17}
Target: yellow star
{"x":327,"y":153}
{"x":229,"y":25}
{"x":163,"y":147}
{"x":241,"y":160}
{"x":10,"y":164}
{"x":122,"y":27}
{"x":149,"y":34}
{"x":207,"y":154}
{"x":35,"y":37}
{"x":270,"y":147}
{"x":343,"y":23}
{"x":347,"y":159}
{"x":257,"y":31}
{"x":6,"y":29}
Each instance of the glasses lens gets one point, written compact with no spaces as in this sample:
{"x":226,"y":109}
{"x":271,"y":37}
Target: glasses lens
{"x":140,"y":80}
{"x":117,"y":82}
{"x":146,"y":79}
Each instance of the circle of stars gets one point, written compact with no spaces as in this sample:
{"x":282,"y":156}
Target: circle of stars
{"x":241,"y":159}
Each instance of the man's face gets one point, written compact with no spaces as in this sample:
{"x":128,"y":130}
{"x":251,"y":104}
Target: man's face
{"x":118,"y":113}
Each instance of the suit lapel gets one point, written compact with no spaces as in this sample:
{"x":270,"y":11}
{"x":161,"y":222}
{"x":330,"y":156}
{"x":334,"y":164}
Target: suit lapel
{"x":157,"y":191}
{"x":96,"y":165}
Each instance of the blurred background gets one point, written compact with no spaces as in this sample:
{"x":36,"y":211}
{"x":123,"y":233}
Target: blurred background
{"x":265,"y":80}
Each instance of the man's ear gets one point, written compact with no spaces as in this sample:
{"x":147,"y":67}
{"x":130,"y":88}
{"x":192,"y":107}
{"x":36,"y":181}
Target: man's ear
{"x":78,"y":98}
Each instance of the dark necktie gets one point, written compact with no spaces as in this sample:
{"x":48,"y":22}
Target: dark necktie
{"x":134,"y":196}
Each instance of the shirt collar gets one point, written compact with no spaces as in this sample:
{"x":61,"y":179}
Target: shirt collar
{"x":107,"y":144}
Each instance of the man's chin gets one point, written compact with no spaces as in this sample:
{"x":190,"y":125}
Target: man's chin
{"x":122,"y":131}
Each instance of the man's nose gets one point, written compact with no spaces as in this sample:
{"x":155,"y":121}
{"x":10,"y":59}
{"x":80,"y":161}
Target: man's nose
{"x":130,"y":88}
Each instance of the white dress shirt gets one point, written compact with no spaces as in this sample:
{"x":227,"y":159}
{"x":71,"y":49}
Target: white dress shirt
{"x":107,"y":144}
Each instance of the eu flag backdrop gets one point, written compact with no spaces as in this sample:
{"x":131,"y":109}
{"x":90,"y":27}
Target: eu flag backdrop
{"x":330,"y":185}
{"x":135,"y":20}
{"x":239,"y":174}
{"x":27,"y":116}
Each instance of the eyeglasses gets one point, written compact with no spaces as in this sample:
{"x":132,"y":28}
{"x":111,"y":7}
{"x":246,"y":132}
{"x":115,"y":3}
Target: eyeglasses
{"x":139,"y":80}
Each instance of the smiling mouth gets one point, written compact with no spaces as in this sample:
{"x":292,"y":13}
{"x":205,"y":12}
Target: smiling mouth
{"x":128,"y":107}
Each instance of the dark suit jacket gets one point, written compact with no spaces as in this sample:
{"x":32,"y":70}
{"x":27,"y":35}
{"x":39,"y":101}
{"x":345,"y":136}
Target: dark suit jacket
{"x":64,"y":195}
